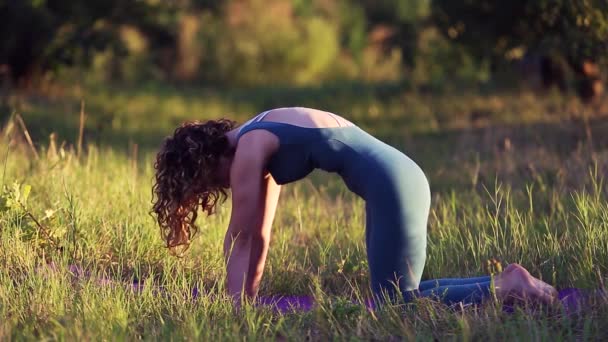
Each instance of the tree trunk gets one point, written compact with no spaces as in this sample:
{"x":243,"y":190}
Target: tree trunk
{"x":590,"y":86}
{"x":552,"y":73}
{"x":188,"y":52}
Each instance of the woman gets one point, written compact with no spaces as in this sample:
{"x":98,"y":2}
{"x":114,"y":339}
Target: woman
{"x":201,"y":161}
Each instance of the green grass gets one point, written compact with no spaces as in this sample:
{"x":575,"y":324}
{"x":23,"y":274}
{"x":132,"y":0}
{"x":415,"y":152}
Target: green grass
{"x":521,"y":182}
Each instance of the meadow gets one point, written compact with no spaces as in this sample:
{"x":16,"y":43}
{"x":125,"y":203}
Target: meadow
{"x":516,"y":176}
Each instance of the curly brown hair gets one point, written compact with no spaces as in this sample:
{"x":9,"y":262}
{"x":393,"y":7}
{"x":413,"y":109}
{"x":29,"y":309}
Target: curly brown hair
{"x":187,"y":178}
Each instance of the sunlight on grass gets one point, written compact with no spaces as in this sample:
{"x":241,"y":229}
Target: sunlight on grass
{"x":94,"y":264}
{"x":103,"y":228}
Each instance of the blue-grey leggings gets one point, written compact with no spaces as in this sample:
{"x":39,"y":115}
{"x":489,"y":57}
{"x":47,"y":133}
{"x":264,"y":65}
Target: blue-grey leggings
{"x":456,"y":290}
{"x":397,"y":211}
{"x":397,"y":202}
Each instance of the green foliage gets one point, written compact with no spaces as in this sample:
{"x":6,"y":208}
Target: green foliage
{"x":577,"y":30}
{"x":236,"y":42}
{"x":299,"y":42}
{"x":14,"y":208}
{"x":15,"y":197}
{"x":353,"y":25}
{"x":405,"y":18}
{"x":38,"y":36}
{"x":440,"y":64}
{"x":257,"y":48}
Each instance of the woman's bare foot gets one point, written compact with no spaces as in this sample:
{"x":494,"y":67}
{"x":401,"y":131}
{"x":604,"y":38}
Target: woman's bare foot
{"x":517,"y":282}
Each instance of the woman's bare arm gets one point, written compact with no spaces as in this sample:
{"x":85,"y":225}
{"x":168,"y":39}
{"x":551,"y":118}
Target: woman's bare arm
{"x":260,"y":243}
{"x":254,"y":200}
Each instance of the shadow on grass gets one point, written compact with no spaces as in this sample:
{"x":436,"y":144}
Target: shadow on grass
{"x":109,"y":122}
{"x":449,"y":156}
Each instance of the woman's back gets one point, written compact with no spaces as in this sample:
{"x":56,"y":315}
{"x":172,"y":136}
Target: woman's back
{"x":364,"y":162}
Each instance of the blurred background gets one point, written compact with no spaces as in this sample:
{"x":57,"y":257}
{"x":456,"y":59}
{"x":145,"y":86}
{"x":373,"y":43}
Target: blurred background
{"x":472,"y":78}
{"x":247,"y":43}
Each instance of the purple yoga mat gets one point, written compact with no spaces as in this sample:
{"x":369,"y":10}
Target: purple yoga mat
{"x":286,"y":304}
{"x":572,"y":299}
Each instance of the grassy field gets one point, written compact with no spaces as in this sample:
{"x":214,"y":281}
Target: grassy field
{"x":514,"y":176}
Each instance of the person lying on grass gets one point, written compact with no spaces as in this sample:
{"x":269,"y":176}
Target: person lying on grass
{"x":202,"y":161}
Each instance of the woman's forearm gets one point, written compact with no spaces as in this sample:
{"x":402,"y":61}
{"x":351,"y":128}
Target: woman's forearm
{"x":248,"y":236}
{"x":257,"y":260}
{"x":237,"y":252}
{"x":245,"y":264}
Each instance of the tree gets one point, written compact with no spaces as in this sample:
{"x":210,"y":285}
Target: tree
{"x":41,"y":35}
{"x":573,"y":31}
{"x":403,"y":19}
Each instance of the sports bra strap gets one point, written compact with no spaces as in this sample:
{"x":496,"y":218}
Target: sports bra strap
{"x":256,"y":118}
{"x":261,"y":116}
